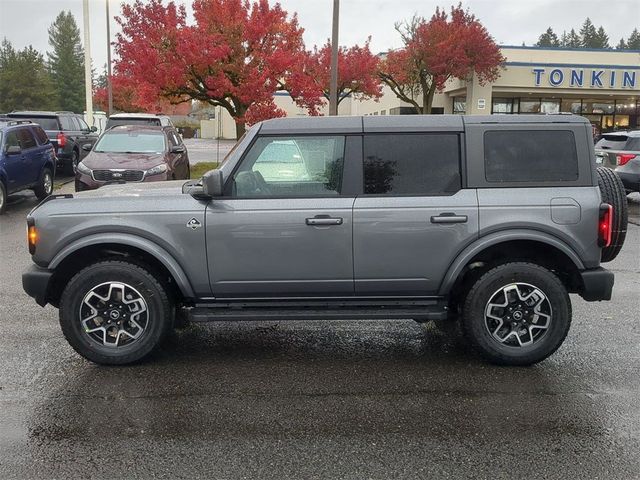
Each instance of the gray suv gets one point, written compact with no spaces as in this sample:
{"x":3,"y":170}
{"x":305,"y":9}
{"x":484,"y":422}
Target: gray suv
{"x":484,"y":222}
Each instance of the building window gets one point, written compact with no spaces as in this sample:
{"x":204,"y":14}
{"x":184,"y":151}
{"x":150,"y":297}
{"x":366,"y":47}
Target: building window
{"x":460,"y":105}
{"x":549,"y":106}
{"x":530,"y":105}
{"x":571,"y":106}
{"x":504,"y":105}
{"x":383,"y":112}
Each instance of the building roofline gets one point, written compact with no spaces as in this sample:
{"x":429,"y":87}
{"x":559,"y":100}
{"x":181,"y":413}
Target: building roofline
{"x":570,"y":49}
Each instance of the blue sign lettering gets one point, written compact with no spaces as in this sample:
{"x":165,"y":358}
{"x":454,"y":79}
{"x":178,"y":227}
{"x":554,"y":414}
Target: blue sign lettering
{"x":628,"y":79}
{"x":612,"y":79}
{"x":538,"y":73}
{"x":595,"y":78}
{"x":556,"y":77}
{"x":577,"y":78}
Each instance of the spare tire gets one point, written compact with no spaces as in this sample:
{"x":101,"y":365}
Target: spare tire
{"x":613,"y":193}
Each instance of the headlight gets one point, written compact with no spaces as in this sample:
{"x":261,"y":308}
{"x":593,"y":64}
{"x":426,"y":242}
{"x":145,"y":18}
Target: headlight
{"x":82,"y":168}
{"x":158,"y":169}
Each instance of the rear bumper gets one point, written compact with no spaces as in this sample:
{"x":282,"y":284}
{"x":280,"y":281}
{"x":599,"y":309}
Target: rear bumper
{"x":35,"y":282}
{"x":598,"y":284}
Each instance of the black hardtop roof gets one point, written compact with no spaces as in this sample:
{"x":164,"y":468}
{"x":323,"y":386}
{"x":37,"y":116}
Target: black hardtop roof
{"x":400,"y":123}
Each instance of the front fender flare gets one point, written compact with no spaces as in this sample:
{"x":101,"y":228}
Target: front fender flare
{"x":495,"y":238}
{"x":148,"y":246}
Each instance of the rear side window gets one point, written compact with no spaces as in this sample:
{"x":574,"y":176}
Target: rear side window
{"x":40,"y":135}
{"x":633,"y":144}
{"x":530,"y":156}
{"x":411,"y":164}
{"x":26,"y":138}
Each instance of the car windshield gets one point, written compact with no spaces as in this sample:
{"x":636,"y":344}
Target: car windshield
{"x":114,"y":122}
{"x":131,"y":142}
{"x":47,"y":123}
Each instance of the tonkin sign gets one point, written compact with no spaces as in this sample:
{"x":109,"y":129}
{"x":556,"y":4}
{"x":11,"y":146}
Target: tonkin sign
{"x":587,"y":77}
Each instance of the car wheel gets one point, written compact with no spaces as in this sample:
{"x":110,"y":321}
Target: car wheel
{"x":115,"y":312}
{"x":517,"y":314}
{"x":613,"y":193}
{"x":45,"y":186}
{"x":70,"y":168}
{"x":3,"y":197}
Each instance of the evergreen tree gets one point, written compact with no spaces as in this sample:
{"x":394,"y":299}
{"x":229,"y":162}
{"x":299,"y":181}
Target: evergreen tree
{"x":25,"y":83}
{"x":66,"y":62}
{"x":589,"y":35}
{"x":634,"y":40}
{"x":564,"y":38}
{"x":573,"y":40}
{"x":622,"y":45}
{"x":548,"y":39}
{"x":602,"y":39}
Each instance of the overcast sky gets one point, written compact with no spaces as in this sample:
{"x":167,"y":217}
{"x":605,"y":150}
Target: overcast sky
{"x":511,"y":22}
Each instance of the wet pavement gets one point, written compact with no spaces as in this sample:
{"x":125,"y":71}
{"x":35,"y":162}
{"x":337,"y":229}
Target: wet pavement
{"x":318,"y":399}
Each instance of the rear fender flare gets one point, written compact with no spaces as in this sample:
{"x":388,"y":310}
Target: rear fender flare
{"x":464,"y":257}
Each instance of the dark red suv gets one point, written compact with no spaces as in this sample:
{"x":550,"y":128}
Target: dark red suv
{"x":133,"y":153}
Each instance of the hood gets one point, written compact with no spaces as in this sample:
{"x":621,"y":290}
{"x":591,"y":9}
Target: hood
{"x":143,"y":189}
{"x":131,"y":161}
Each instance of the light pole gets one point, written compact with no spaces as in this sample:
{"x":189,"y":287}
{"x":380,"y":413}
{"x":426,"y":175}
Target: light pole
{"x":109,"y":85}
{"x":333,"y":86}
{"x":87,"y":63}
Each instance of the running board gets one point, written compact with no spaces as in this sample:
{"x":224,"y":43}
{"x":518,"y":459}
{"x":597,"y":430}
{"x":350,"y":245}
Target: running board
{"x":420,"y":311}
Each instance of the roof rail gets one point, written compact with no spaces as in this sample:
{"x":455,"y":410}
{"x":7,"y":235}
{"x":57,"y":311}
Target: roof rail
{"x":11,"y":122}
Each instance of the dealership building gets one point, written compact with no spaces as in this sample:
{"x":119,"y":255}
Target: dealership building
{"x":601,"y":85}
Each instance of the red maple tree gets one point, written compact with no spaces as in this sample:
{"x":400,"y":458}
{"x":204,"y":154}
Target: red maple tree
{"x":235,"y":55}
{"x":357,"y":72}
{"x":437,"y":50}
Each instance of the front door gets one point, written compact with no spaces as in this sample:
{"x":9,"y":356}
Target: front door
{"x":283,"y":228}
{"x":414,"y":217}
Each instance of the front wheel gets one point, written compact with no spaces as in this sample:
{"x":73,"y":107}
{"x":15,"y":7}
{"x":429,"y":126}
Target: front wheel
{"x":115,"y":312}
{"x":70,"y":168}
{"x":517,"y":314}
{"x":45,"y":185}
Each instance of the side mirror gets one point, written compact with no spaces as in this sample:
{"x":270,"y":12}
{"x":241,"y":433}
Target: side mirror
{"x":177,"y":149}
{"x":13,"y":150}
{"x":87,"y":147}
{"x":212,"y":183}
{"x":93,"y":129}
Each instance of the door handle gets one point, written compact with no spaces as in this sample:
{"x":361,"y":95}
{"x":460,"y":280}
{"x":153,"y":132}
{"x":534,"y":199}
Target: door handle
{"x":323,"y":220}
{"x":449,"y":217}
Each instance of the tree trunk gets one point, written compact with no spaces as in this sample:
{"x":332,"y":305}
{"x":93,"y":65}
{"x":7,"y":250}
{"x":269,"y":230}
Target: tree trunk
{"x":240,"y":128}
{"x":427,"y":99}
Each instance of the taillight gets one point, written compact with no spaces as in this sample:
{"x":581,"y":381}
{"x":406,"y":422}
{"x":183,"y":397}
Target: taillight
{"x":62,"y":140}
{"x":623,"y":158}
{"x":605,"y":225}
{"x":32,"y":235}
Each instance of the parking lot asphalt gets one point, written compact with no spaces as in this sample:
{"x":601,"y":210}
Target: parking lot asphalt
{"x":318,"y":399}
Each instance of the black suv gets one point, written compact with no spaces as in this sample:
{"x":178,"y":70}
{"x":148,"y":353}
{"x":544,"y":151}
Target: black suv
{"x":67,"y":132}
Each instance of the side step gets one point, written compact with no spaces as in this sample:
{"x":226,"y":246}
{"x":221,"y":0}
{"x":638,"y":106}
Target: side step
{"x":420,"y":311}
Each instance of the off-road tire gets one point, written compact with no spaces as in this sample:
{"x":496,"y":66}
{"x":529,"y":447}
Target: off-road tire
{"x":42,"y":191}
{"x":473,"y":314}
{"x":613,"y":192}
{"x":150,"y":288}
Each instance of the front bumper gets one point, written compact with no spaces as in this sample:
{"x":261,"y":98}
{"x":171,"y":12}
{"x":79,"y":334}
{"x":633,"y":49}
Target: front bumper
{"x":597,"y":284}
{"x":35,"y":281}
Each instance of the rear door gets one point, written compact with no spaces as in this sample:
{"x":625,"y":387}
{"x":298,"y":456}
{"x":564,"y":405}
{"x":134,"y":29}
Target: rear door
{"x":14,"y":163}
{"x":414,"y":216}
{"x":284,"y":225}
{"x":31,"y":157}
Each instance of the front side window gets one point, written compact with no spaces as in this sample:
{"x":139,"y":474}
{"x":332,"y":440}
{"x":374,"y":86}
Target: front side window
{"x":291,"y":166}
{"x":131,"y":142}
{"x":412,"y":164}
{"x":530,"y":156}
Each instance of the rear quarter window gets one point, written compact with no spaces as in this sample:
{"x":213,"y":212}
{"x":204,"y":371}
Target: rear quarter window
{"x":530,"y":156}
{"x":40,"y":135}
{"x":633,"y":144}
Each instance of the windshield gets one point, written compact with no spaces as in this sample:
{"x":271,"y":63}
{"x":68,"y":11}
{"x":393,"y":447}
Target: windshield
{"x":131,"y":142}
{"x":114,"y":122}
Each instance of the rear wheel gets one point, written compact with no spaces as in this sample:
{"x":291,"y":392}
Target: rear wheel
{"x":613,"y":192}
{"x":45,"y":185}
{"x":115,"y":312}
{"x":70,"y":168}
{"x":517,"y":314}
{"x":3,"y":197}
